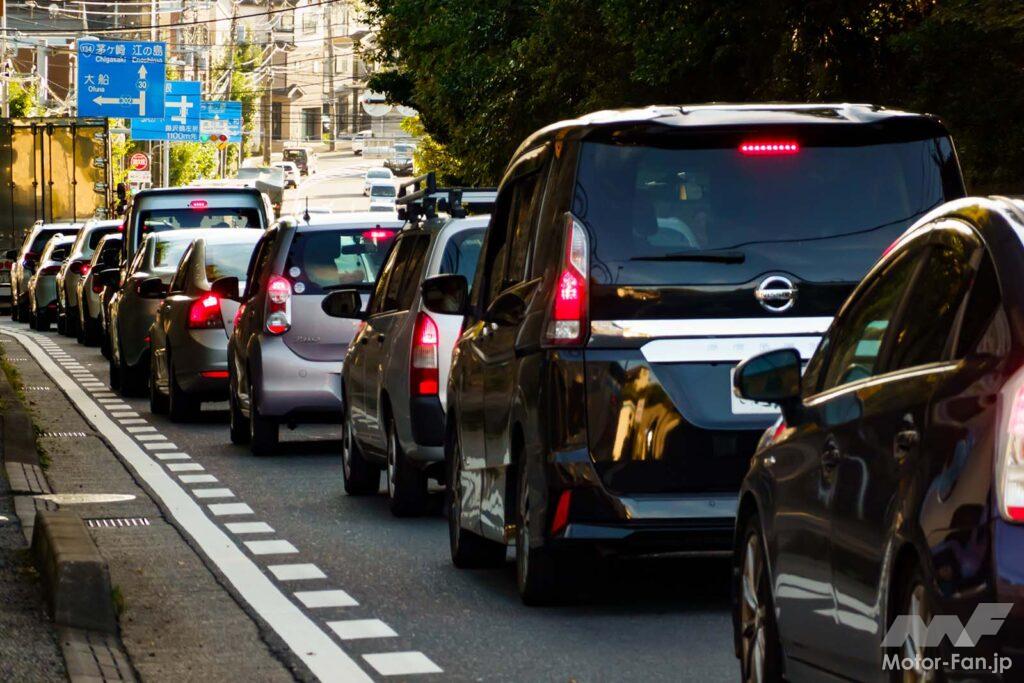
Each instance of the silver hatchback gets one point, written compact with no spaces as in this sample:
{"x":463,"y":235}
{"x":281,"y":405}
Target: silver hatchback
{"x":76,"y":266}
{"x":42,"y":286}
{"x":285,"y":354}
{"x":189,"y":337}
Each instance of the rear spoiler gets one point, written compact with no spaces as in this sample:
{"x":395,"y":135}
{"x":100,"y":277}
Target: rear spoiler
{"x":422,"y":198}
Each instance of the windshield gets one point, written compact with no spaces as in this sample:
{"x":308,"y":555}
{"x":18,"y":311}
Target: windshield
{"x":167,"y":254}
{"x":248,"y":173}
{"x":227,"y":260}
{"x":382,"y":191}
{"x":43,"y":237}
{"x":322,"y":260}
{"x":294,"y":155}
{"x":378,"y":173}
{"x":160,"y":220}
{"x":404,"y":150}
{"x":669,"y":215}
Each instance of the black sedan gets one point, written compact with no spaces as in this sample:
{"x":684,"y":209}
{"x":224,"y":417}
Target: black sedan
{"x":891,"y":490}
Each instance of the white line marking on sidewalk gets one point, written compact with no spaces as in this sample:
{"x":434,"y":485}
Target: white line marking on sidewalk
{"x":140,"y":430}
{"x":296,"y":572}
{"x":224,"y":509}
{"x":249,"y":527}
{"x":125,"y":413}
{"x":132,"y":421}
{"x":355,"y":629}
{"x":402,"y":663}
{"x":185,"y":467}
{"x":172,"y":456}
{"x":325,"y":659}
{"x":271,"y":547}
{"x":159,"y":446}
{"x":197,"y":478}
{"x":326,"y":598}
{"x":213,"y":493}
{"x":151,"y":437}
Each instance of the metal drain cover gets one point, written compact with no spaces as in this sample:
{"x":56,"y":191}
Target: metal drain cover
{"x":85,"y":498}
{"x":65,"y":435}
{"x":116,"y":522}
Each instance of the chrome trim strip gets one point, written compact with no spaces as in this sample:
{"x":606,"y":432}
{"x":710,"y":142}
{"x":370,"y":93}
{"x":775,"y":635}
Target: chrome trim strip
{"x":727,"y":349}
{"x":688,"y":507}
{"x":709,"y":327}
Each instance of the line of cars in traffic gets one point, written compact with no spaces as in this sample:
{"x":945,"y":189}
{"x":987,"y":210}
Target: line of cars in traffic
{"x":650,"y":337}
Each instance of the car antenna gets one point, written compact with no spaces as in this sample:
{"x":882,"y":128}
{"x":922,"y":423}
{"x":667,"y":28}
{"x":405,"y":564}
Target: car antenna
{"x":305,"y":215}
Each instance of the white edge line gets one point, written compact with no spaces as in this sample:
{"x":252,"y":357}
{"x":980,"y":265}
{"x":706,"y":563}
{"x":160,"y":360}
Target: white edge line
{"x":309,"y":642}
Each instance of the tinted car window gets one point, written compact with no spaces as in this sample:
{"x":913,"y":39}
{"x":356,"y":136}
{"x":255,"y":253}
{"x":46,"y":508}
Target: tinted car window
{"x":160,"y":220}
{"x":521,"y":228}
{"x":405,"y":255}
{"x":60,"y":253}
{"x":461,"y":253}
{"x":167,"y":254}
{"x":383,"y":281}
{"x":984,"y":328}
{"x":938,"y":293}
{"x":856,"y":339}
{"x":321,"y":260}
{"x":380,"y":173}
{"x":40,"y":240}
{"x":413,"y":272}
{"x":109,"y":253}
{"x":823,"y":204}
{"x":227,"y":260}
{"x":181,"y":277}
{"x":94,"y":238}
{"x":258,"y":263}
{"x":383,"y":191}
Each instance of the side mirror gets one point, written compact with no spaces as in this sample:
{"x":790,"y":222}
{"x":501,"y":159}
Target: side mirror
{"x":445,"y":294}
{"x":226,"y":288}
{"x":344,"y":303}
{"x":111,"y":277}
{"x":152,"y":288}
{"x":771,"y":377}
{"x":507,"y":309}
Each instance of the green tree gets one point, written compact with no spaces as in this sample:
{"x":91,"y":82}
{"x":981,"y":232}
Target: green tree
{"x":192,"y":161}
{"x":430,"y":155}
{"x":23,"y":99}
{"x":246,"y":87}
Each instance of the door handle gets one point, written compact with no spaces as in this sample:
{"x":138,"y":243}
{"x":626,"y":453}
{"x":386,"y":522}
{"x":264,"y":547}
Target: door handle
{"x":830,"y":457}
{"x":380,"y":338}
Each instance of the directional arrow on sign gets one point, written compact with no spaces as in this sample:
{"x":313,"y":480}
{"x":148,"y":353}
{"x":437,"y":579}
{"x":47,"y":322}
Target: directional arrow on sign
{"x":140,"y":100}
{"x":182,"y":106}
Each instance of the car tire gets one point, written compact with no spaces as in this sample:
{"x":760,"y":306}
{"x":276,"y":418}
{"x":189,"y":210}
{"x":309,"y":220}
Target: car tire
{"x":40,"y":322}
{"x":759,"y":649}
{"x":911,"y":598}
{"x":407,"y":484}
{"x":180,"y":407}
{"x":133,"y":380}
{"x":15,"y":308}
{"x":469,"y":550}
{"x":91,"y":332}
{"x":263,"y":432}
{"x":71,"y":323}
{"x":238,"y":426}
{"x":159,"y":403}
{"x":540,"y":569}
{"x":62,"y":322}
{"x":360,"y":477}
{"x":115,"y":373}
{"x":23,"y":312}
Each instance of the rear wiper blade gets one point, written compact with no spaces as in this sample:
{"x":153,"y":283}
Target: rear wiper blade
{"x":710,"y":255}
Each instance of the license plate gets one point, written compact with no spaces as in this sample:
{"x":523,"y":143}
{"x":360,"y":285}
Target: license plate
{"x":741,"y":406}
{"x":5,"y":277}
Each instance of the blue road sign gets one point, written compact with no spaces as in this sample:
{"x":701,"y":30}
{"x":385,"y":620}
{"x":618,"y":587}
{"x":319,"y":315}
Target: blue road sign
{"x":120,"y":79}
{"x":222,"y":118}
{"x":181,"y":120}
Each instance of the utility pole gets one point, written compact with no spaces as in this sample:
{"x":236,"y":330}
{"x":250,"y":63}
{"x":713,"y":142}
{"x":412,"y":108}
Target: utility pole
{"x":3,"y":56}
{"x":331,"y":99}
{"x":231,"y":78}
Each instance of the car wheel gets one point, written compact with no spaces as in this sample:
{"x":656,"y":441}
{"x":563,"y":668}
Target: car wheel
{"x":42,"y":322}
{"x":133,"y":380}
{"x":62,"y":321}
{"x":80,"y":327}
{"x":237,"y":424}
{"x":263,"y":432}
{"x":71,"y":323}
{"x":407,"y":484}
{"x":15,"y":308}
{"x":158,"y":401}
{"x":180,"y":407}
{"x":539,"y":567}
{"x":468,"y":549}
{"x":115,"y":373}
{"x":23,"y":311}
{"x":760,"y":653}
{"x":361,"y":478}
{"x":912,"y":600}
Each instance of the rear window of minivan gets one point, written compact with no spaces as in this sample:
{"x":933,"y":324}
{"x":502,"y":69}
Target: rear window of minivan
{"x":322,"y":260}
{"x":40,"y":241}
{"x":672,"y":212}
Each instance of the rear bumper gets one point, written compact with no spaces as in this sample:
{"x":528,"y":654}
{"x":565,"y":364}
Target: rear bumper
{"x":293,"y":388}
{"x":426,"y":426}
{"x":206,"y":351}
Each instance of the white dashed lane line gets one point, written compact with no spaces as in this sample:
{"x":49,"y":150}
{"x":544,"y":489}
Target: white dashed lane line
{"x":149,"y":438}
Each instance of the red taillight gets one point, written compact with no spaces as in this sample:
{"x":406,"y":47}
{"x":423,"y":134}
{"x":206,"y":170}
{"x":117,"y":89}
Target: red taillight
{"x":1010,"y":468}
{"x":423,"y":377}
{"x":238,"y":314}
{"x":97,"y":286}
{"x":567,"y":322}
{"x":561,"y":518}
{"x":79,"y":267}
{"x":378,"y":235}
{"x":769,"y":147}
{"x":279,"y":296}
{"x":50,"y":270}
{"x":204,"y":313}
{"x":214,"y":374}
{"x":29,"y":258}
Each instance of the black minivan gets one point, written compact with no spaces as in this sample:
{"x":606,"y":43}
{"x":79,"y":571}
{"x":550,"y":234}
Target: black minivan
{"x":633,"y":259}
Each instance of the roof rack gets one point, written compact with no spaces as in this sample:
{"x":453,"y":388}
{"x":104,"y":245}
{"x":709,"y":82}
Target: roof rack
{"x":421,"y":198}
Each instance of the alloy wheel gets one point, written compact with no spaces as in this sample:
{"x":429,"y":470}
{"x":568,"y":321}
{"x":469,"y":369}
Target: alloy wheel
{"x":346,"y":448}
{"x":523,"y":535}
{"x":914,"y":646}
{"x":392,"y":456}
{"x":455,"y":499}
{"x":753,"y":612}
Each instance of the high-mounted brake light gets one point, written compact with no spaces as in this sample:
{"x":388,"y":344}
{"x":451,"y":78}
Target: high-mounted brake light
{"x":1010,"y":467}
{"x":567,"y":320}
{"x":378,"y":235}
{"x":204,"y":313}
{"x":769,"y":147}
{"x":214,"y":374}
{"x":198,"y":204}
{"x":423,"y":377}
{"x":279,"y":310}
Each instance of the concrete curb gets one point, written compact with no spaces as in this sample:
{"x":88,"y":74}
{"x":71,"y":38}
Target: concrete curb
{"x":75,"y":577}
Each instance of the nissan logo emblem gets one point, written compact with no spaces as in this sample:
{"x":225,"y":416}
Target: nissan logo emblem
{"x":776,"y":293}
